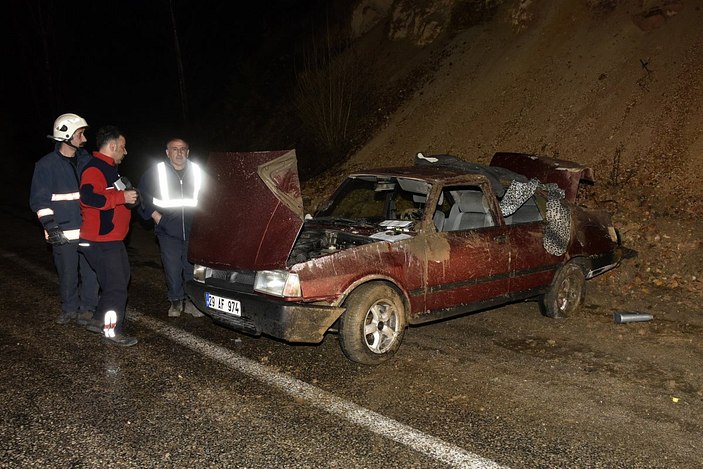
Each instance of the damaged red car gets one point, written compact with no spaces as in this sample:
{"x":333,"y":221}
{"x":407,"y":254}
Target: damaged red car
{"x":391,"y":247}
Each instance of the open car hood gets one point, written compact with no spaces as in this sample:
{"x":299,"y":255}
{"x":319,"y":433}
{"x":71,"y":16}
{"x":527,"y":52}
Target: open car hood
{"x":565,"y":174}
{"x":250,"y":211}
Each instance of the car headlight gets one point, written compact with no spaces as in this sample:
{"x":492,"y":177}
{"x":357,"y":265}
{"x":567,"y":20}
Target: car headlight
{"x":278,"y":283}
{"x":199,"y":273}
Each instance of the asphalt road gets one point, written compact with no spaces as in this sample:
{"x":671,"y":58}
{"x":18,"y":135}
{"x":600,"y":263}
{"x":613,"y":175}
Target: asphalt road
{"x":504,"y":387}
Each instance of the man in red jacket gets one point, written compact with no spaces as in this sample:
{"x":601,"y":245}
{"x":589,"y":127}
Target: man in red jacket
{"x":106,"y":216}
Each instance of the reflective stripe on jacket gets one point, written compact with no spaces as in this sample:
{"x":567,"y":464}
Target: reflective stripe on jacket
{"x":54,"y":195}
{"x":174,"y":196}
{"x":181,"y":197}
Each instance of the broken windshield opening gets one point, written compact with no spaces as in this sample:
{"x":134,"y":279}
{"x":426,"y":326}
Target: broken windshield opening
{"x":374,"y":199}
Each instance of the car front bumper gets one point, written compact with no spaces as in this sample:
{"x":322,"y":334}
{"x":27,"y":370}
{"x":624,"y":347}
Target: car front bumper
{"x":292,"y":322}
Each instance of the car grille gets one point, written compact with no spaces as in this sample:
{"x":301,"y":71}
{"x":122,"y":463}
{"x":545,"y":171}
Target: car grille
{"x":242,"y":280}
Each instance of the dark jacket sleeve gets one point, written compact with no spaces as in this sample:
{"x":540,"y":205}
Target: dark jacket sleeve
{"x":147,"y":187}
{"x":40,"y":192}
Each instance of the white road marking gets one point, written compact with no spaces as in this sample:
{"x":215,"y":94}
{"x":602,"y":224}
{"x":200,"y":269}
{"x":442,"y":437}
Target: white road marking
{"x":316,"y":397}
{"x":372,"y":421}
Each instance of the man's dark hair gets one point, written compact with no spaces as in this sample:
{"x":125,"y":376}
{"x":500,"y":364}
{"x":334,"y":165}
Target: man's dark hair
{"x":107,"y":133}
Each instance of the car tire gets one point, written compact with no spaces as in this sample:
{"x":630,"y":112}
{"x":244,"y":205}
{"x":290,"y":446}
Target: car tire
{"x":566,"y":294}
{"x":373,"y":325}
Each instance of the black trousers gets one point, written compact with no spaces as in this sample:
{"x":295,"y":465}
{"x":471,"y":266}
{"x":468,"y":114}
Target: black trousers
{"x":78,"y":284}
{"x":177,"y":269}
{"x":111,"y":264}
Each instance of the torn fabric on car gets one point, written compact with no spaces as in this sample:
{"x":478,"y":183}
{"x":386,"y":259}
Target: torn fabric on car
{"x":557,"y":232}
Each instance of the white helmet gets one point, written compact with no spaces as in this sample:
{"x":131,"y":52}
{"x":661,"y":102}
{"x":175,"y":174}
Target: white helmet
{"x":65,"y":125}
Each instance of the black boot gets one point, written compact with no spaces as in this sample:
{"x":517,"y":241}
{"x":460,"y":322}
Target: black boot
{"x":176,"y":308}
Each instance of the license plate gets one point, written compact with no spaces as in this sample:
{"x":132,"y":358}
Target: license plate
{"x":225,"y":305}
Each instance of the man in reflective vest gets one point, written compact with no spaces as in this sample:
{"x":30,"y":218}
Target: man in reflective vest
{"x":169,"y":196}
{"x":54,"y":197}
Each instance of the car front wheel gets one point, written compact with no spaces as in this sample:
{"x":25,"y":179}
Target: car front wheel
{"x":565,"y":296}
{"x":372,"y":327}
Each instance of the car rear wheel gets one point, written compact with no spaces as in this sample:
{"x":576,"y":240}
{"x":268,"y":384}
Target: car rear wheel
{"x":565,"y":296}
{"x":372,"y":327}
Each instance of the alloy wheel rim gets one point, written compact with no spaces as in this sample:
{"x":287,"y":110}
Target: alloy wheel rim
{"x":381,"y":327}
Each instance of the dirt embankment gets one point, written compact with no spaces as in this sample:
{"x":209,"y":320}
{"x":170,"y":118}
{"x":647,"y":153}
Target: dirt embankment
{"x":599,"y":86}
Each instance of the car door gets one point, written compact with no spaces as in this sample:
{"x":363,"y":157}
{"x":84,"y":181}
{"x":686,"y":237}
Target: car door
{"x":532,"y":266}
{"x":474,"y":266}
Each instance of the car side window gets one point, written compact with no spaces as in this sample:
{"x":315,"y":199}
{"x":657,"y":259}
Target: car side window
{"x":468,"y":209}
{"x":528,"y":212}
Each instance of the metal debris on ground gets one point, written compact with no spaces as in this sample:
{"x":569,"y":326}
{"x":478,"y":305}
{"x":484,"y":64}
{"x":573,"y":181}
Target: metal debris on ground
{"x":622,"y":318}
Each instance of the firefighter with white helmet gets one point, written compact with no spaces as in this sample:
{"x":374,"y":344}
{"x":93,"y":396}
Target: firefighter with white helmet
{"x":65,"y":127}
{"x":54,"y":197}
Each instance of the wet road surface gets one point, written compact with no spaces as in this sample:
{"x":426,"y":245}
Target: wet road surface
{"x":496,"y":388}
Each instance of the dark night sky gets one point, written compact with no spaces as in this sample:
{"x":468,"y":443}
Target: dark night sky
{"x":113,"y":61}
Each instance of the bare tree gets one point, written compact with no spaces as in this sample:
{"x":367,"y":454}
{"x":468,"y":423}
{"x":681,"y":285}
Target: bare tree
{"x":328,"y":88}
{"x":38,"y":51}
{"x":179,"y":65}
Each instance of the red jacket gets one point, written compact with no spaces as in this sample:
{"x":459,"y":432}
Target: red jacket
{"x":105,"y":217}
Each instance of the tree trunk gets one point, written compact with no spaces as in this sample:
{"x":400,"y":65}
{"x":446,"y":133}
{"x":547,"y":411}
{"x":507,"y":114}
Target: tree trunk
{"x":179,"y":66}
